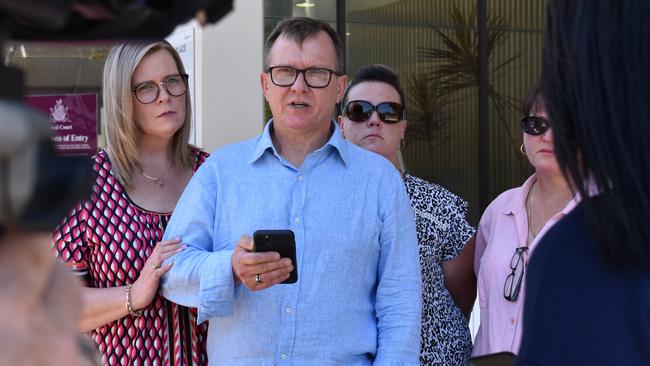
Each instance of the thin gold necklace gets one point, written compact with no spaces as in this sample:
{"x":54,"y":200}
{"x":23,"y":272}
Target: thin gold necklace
{"x":532,"y":233}
{"x":158,"y":181}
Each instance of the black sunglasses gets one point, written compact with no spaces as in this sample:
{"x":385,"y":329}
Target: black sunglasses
{"x":361,"y":110}
{"x":534,"y":125}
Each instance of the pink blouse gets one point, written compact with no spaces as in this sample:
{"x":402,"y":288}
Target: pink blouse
{"x":503,"y":228}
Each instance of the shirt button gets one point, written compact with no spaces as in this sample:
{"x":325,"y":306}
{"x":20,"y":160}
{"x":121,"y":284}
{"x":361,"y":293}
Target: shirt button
{"x":297,"y":220}
{"x":301,"y":178}
{"x":288,"y":309}
{"x":284,"y":356}
{"x":513,"y":321}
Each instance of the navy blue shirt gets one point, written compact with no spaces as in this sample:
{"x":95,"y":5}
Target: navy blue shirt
{"x":579,"y":311}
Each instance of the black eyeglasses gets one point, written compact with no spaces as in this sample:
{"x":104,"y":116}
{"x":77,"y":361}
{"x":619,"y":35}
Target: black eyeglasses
{"x":315,"y":77}
{"x":361,"y":110}
{"x":148,"y":91}
{"x":513,"y":281}
{"x":534,"y":125}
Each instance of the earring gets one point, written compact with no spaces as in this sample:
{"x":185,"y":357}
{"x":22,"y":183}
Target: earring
{"x":522,"y":150}
{"x":402,"y":143}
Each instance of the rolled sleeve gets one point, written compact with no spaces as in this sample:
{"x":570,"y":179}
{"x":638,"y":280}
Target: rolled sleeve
{"x":202,"y":280}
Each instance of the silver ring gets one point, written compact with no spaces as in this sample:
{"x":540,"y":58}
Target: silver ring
{"x":258,"y":279}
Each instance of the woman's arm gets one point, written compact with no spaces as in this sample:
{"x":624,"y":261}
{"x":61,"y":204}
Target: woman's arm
{"x":104,"y":305}
{"x":460,"y":279}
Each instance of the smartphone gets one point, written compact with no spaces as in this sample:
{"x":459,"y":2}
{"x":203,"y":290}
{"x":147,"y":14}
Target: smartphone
{"x":281,"y":241}
{"x":494,"y":359}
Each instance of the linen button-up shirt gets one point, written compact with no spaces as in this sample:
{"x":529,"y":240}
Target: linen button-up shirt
{"x":357,"y":299}
{"x":502,"y":229}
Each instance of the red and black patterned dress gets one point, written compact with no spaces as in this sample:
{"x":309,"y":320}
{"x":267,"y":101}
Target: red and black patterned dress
{"x":107,"y":240}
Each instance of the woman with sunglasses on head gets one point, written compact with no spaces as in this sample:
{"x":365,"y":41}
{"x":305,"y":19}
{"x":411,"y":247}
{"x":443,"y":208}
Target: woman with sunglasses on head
{"x":372,"y":117}
{"x":510,"y":229}
{"x":114,"y":239}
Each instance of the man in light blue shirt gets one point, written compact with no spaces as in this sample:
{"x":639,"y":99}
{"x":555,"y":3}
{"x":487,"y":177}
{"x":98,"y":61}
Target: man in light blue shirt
{"x":357,"y":298}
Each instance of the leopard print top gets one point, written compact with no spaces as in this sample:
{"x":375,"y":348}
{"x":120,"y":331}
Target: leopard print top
{"x":442,"y":232}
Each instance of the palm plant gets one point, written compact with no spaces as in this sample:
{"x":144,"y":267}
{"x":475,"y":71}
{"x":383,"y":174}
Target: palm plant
{"x":427,"y":117}
{"x":454,"y":68}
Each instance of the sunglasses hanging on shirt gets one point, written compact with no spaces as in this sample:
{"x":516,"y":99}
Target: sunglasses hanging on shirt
{"x":513,"y":280}
{"x":361,"y":110}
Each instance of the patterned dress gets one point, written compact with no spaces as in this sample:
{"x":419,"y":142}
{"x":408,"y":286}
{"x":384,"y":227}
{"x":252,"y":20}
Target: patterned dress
{"x":107,"y":240}
{"x":442,"y":234}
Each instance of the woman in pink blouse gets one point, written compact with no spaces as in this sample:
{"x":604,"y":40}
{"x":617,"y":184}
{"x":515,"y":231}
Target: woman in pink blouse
{"x":509,"y":231}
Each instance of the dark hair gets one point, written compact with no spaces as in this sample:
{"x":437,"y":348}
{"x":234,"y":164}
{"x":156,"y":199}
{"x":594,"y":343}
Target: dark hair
{"x":596,"y":81}
{"x":378,"y":73}
{"x":299,"y":29}
{"x":533,"y":101}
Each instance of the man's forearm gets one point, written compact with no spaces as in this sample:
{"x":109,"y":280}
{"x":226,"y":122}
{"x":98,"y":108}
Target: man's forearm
{"x":202,"y":280}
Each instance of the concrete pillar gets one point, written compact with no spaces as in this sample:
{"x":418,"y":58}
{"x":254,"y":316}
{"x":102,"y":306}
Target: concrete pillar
{"x":229,"y":105}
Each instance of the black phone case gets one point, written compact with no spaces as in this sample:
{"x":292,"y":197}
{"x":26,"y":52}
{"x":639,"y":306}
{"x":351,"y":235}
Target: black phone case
{"x":281,"y":241}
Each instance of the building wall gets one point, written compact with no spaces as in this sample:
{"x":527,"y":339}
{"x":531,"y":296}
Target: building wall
{"x":442,"y":142}
{"x":229,"y":61}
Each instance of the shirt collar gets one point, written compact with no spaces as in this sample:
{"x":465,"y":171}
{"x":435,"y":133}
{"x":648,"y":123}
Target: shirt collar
{"x":263,"y":143}
{"x":517,"y":203}
{"x":336,"y":141}
{"x":339,"y":143}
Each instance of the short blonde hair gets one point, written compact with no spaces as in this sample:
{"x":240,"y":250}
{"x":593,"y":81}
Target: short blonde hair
{"x":118,"y":102}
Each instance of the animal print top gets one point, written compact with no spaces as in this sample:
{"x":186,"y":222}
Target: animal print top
{"x":442,"y":233}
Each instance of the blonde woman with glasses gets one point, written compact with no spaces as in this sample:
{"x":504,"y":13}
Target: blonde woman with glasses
{"x":114,"y":239}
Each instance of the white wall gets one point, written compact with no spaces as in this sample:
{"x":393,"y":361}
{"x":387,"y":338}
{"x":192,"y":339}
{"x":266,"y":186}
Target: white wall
{"x":475,"y":318}
{"x":229,"y":61}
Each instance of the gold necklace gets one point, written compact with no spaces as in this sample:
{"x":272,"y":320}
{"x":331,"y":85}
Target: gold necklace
{"x":158,"y":181}
{"x":532,"y":233}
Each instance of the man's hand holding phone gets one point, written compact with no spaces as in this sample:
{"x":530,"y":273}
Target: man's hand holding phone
{"x":258,"y":271}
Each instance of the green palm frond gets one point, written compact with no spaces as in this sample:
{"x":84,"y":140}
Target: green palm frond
{"x":426,"y":116}
{"x":453,"y":68}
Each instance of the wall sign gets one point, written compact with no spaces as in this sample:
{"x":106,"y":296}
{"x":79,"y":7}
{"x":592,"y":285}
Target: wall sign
{"x":74,"y":121}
